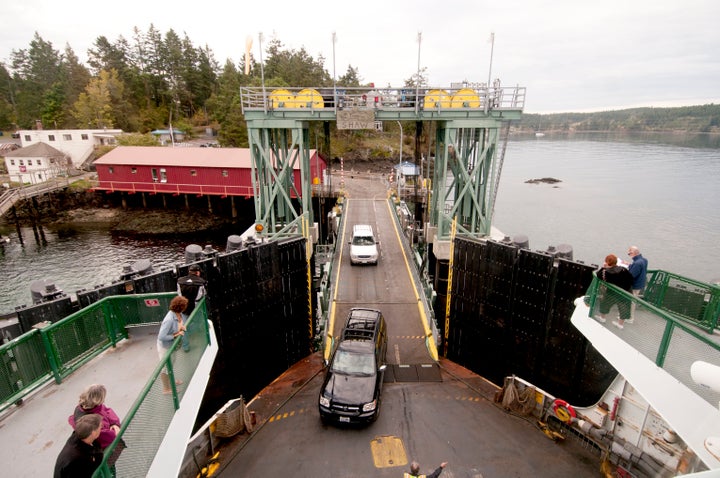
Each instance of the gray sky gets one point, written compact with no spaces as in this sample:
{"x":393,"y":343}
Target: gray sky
{"x":572,"y":55}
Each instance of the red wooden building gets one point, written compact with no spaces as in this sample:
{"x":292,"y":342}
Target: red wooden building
{"x":201,"y":171}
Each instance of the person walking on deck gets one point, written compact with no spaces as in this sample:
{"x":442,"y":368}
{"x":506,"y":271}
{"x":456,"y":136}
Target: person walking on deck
{"x":415,"y":471}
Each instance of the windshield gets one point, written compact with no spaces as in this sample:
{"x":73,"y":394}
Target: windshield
{"x":353,"y":363}
{"x":363,"y":241}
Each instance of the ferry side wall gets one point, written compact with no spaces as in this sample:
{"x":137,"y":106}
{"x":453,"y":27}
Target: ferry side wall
{"x":510,"y":314}
{"x":258,"y":301}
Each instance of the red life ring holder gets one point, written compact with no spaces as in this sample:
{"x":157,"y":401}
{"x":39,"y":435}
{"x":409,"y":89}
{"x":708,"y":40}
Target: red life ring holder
{"x":563,"y":410}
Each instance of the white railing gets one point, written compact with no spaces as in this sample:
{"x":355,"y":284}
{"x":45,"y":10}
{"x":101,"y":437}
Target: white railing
{"x":478,"y":97}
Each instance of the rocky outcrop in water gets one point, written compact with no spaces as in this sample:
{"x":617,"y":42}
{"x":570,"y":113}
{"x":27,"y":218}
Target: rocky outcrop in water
{"x":543,"y":180}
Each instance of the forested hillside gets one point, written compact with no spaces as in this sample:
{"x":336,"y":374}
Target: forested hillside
{"x":697,"y":119}
{"x":156,"y":79}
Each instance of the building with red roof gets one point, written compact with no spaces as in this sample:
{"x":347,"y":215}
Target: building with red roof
{"x":199,"y":171}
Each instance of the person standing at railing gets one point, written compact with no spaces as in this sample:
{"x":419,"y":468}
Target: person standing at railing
{"x":192,"y":287}
{"x":172,"y":326}
{"x":92,"y":401}
{"x":617,"y":275}
{"x":80,"y":456}
{"x":638,"y":269}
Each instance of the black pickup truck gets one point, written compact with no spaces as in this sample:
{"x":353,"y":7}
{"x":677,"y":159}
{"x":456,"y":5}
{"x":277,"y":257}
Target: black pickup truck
{"x":353,"y":380}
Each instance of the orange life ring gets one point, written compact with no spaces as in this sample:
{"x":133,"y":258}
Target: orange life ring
{"x":563,"y":410}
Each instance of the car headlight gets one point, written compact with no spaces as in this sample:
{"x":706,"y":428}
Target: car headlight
{"x":369,"y":407}
{"x":324,"y":402}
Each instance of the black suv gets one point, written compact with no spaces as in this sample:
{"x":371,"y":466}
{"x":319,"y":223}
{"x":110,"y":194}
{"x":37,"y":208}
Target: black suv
{"x":353,"y":381}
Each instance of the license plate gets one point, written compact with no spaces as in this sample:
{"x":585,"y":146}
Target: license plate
{"x":345,"y":419}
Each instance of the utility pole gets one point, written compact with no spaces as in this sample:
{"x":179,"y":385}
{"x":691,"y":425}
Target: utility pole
{"x":399,"y":160}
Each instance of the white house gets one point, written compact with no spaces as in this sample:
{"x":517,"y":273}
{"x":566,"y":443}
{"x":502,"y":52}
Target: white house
{"x":77,"y":144}
{"x":36,"y":163}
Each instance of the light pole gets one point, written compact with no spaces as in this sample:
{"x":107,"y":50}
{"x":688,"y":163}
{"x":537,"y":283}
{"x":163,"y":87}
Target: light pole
{"x":399,"y":160}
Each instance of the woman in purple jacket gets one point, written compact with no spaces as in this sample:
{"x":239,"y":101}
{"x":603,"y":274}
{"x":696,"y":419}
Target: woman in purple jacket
{"x":92,"y":400}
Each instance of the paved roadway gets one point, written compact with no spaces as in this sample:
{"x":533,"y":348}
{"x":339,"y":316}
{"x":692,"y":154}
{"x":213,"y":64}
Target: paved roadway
{"x":453,"y":420}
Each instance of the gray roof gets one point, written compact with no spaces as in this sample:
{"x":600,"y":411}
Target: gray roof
{"x":37,"y":150}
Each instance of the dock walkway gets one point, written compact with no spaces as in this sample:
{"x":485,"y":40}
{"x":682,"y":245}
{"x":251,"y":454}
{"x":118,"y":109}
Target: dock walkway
{"x":10,"y":197}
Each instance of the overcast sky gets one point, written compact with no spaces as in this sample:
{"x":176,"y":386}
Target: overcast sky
{"x":572,"y":55}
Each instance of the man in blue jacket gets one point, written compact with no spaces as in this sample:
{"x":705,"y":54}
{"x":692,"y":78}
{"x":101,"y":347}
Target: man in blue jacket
{"x":638,"y":269}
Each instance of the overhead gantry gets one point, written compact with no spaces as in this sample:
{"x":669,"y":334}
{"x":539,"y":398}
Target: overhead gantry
{"x":471,"y":122}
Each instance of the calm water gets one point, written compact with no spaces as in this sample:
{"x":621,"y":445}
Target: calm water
{"x":657,"y":192}
{"x":80,"y":257}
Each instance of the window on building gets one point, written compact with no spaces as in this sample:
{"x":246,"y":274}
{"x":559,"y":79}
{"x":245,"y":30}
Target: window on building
{"x":52,"y":160}
{"x":51,"y":137}
{"x":38,"y":162}
{"x":22,"y":162}
{"x":154,"y":173}
{"x":224,"y":173}
{"x":12,"y":162}
{"x":67,"y":137}
{"x":111,"y":169}
{"x":84,"y":136}
{"x":193,"y":172}
{"x":133,"y":170}
{"x":27,"y":138}
{"x":163,"y":175}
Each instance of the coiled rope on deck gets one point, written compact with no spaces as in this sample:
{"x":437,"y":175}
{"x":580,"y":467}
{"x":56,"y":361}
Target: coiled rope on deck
{"x":521,"y":402}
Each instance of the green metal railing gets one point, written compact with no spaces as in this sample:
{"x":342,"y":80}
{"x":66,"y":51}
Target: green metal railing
{"x":673,"y":342}
{"x":144,"y":426}
{"x":54,"y":351}
{"x":691,"y":300}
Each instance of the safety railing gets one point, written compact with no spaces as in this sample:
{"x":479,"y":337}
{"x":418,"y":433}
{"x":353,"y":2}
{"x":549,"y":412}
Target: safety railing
{"x":174,"y":188}
{"x":671,"y":342}
{"x":428,"y":98}
{"x":144,"y":426}
{"x":54,"y":351}
{"x":691,"y":300}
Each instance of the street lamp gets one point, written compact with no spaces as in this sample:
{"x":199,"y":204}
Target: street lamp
{"x":399,"y":160}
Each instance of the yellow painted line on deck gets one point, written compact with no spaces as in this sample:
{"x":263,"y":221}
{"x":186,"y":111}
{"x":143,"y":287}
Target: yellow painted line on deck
{"x":286,"y":415}
{"x":429,"y":341}
{"x":327,"y":350}
{"x":388,"y":451}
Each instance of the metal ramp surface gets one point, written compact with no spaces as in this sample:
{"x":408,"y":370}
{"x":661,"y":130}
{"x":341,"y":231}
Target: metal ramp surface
{"x":423,"y":372}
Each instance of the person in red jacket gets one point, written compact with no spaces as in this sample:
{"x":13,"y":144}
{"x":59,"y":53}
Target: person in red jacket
{"x":619,"y":276}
